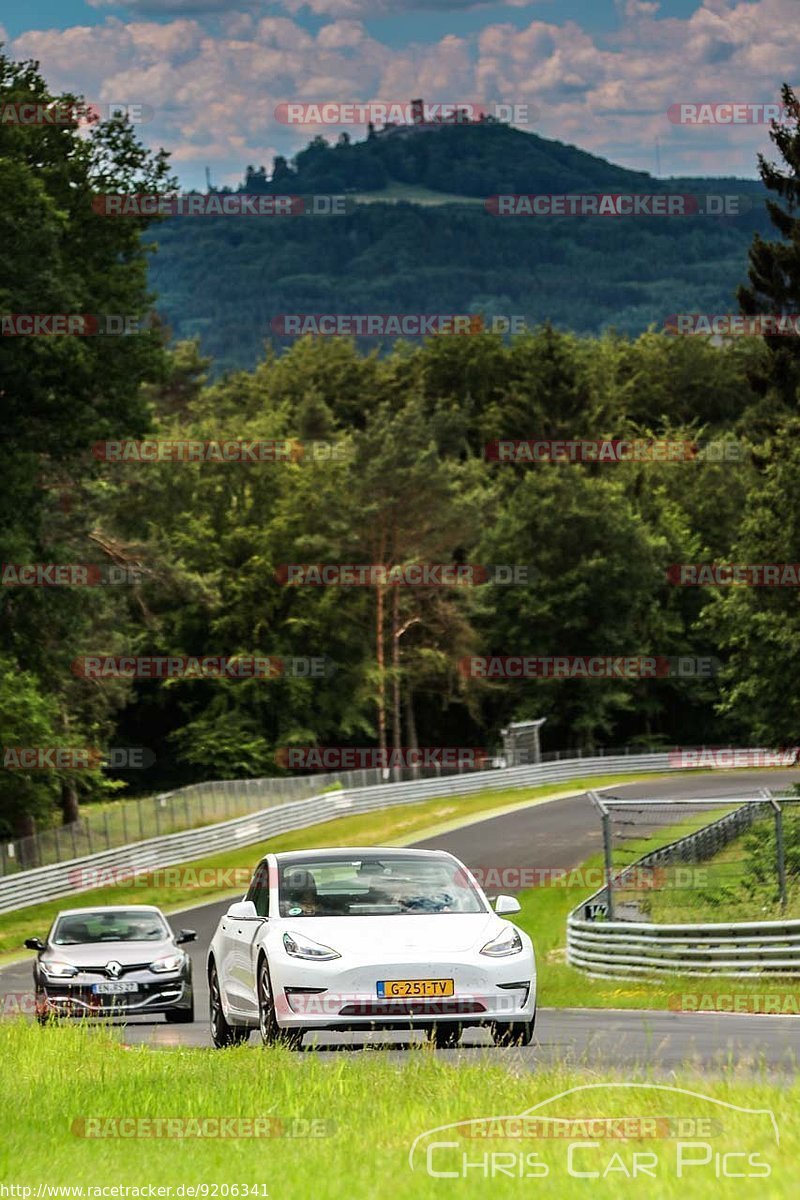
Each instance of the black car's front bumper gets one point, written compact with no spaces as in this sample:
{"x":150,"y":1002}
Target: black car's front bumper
{"x":75,"y":998}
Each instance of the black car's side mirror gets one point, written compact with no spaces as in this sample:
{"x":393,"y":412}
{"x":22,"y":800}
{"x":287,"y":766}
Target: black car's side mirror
{"x":34,"y":944}
{"x":186,"y":935}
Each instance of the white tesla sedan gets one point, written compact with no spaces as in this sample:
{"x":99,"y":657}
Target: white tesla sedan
{"x":369,"y":938}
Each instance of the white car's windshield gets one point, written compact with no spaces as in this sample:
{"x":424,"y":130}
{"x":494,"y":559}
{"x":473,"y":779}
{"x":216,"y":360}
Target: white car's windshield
{"x":83,"y":928}
{"x":379,"y":886}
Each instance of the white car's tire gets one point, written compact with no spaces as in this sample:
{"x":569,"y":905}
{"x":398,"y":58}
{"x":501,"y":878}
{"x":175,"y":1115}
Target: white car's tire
{"x":270,"y":1030}
{"x":445,"y":1035}
{"x":222,"y":1033}
{"x":513,"y":1033}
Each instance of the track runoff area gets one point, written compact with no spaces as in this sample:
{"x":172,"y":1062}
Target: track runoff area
{"x":546,"y":836}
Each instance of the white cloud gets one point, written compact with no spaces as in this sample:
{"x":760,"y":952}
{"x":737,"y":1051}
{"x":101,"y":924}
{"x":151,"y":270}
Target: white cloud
{"x":215,"y":97}
{"x":322,"y":8}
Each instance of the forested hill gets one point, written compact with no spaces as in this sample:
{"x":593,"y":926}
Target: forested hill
{"x":468,"y":160}
{"x":417,"y":239}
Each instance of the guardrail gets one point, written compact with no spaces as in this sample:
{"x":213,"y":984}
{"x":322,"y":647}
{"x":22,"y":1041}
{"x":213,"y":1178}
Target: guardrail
{"x":615,"y":949}
{"x":83,"y":873}
{"x":622,"y":950}
{"x":107,"y":826}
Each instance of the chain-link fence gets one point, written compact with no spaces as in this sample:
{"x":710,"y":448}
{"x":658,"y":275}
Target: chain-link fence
{"x":682,"y":861}
{"x":121,"y":822}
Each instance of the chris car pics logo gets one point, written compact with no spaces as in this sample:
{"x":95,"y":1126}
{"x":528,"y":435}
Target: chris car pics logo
{"x":607,"y":1131}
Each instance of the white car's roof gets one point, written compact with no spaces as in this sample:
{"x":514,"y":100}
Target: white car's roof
{"x":110,"y":908}
{"x":360,"y":852}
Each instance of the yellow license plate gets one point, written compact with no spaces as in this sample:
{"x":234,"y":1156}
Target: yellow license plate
{"x":398,"y":989}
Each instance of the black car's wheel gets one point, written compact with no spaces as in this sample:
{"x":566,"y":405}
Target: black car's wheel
{"x":44,"y":1015}
{"x":445,"y":1034}
{"x":222,"y":1033}
{"x":513,"y":1033}
{"x":270,"y":1030}
{"x":180,"y":1016}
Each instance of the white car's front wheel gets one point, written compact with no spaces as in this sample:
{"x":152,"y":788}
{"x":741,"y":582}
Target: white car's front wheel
{"x":445,"y":1034}
{"x":270,"y":1030}
{"x":222,"y":1033}
{"x":514,"y":1033}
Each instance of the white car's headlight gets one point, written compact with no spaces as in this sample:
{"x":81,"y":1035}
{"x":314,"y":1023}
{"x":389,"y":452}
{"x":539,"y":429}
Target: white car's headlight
{"x":59,"y":970}
{"x":507,"y":942}
{"x":170,"y":962}
{"x":301,"y":947}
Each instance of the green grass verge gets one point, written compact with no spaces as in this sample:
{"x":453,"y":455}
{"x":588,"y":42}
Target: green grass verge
{"x":544,"y":917}
{"x":377,"y":828}
{"x":727,"y":888}
{"x":544,"y":909}
{"x":372,"y":1106}
{"x":414,"y":193}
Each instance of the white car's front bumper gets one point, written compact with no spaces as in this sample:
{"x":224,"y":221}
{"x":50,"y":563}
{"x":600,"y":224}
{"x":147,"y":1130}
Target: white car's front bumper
{"x":332,"y":995}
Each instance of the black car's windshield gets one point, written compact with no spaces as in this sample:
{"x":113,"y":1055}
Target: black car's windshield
{"x":82,"y":928}
{"x":375,"y":887}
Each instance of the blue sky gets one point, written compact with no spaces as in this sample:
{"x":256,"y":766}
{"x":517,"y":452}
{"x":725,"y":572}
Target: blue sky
{"x":600,"y":74}
{"x":426,"y":23}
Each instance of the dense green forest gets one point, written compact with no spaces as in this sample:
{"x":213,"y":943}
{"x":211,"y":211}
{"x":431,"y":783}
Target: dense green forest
{"x":225,"y":280}
{"x":406,"y":480}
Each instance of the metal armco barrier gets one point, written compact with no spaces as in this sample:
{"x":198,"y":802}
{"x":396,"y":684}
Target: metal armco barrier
{"x":79,"y":874}
{"x":623,"y":950}
{"x":615,"y":949}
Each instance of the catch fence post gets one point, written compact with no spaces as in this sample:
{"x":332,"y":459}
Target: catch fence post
{"x":606,"y":820}
{"x":780,"y":852}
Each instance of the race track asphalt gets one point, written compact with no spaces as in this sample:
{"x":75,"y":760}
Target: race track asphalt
{"x":554,"y":835}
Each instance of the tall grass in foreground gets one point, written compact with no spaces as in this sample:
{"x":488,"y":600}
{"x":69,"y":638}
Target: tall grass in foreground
{"x":379,"y":1103}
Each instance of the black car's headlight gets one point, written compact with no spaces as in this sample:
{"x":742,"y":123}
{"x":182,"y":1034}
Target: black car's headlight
{"x":507,"y":942}
{"x":58,"y":969}
{"x":170,"y":962}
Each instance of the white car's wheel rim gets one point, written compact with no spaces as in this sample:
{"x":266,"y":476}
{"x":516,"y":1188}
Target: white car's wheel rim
{"x":215,"y":1005}
{"x":264,"y":1003}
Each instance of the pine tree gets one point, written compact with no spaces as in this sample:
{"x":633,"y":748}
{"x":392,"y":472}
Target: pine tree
{"x":774,"y":270}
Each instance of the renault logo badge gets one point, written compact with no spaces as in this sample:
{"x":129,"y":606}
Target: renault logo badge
{"x":113,"y":969}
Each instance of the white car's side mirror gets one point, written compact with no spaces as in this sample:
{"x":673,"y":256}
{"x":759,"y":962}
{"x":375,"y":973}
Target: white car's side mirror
{"x":505,"y":905}
{"x":243,"y":910}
